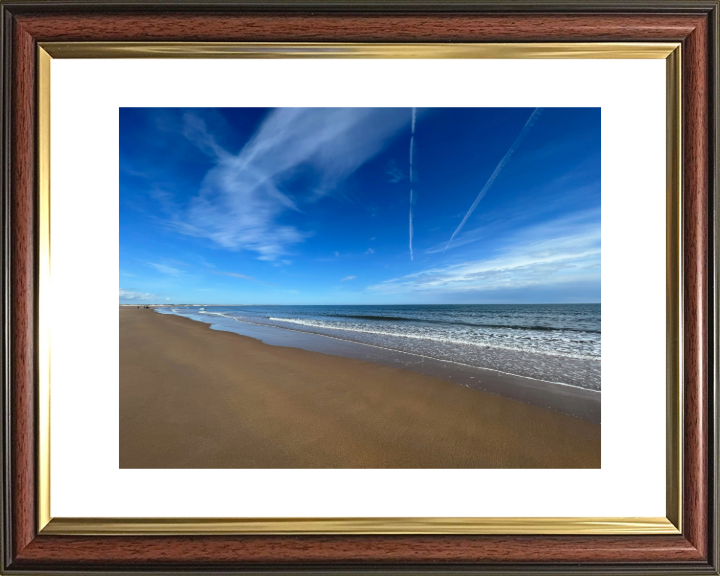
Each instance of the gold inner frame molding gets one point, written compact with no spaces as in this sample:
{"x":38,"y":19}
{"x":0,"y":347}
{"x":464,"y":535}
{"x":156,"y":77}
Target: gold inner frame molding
{"x":670,"y":52}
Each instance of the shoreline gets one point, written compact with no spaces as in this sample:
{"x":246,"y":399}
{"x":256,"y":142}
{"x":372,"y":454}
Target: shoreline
{"x":569,"y":399}
{"x":193,"y":397}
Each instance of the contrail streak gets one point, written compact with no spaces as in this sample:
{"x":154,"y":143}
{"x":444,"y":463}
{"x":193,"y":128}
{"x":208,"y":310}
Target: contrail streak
{"x":412,"y":197}
{"x":529,"y":124}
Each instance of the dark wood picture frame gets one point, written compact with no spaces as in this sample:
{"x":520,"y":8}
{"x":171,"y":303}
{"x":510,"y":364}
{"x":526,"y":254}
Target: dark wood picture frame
{"x":693,"y":23}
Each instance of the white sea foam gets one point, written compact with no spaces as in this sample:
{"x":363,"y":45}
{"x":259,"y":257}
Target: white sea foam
{"x":417,"y":336}
{"x":554,"y":343}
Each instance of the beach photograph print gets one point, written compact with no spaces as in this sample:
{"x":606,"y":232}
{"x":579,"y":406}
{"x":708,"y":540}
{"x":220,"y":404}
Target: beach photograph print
{"x":360,"y":288}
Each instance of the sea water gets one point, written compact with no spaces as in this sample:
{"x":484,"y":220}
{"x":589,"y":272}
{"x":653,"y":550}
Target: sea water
{"x":552,"y":342}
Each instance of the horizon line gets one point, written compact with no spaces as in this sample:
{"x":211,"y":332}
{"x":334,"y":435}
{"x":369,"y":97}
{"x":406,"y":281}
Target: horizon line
{"x":395,"y":304}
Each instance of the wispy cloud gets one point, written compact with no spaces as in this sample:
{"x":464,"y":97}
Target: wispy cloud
{"x":165,"y":200}
{"x":370,"y":251}
{"x":567,"y":190}
{"x":394,"y":173}
{"x":203,"y":261}
{"x":551,"y":254}
{"x":137,"y":296}
{"x":165,"y":269}
{"x":127,"y":169}
{"x":242,"y":276}
{"x":489,"y":230}
{"x":243,"y":197}
{"x":235,"y":275}
{"x":505,"y":159}
{"x":195,"y":130}
{"x":348,"y":278}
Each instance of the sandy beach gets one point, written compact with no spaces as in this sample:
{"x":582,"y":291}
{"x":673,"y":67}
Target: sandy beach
{"x":192,"y":397}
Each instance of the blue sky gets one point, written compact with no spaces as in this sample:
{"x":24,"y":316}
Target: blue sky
{"x":314,"y":206}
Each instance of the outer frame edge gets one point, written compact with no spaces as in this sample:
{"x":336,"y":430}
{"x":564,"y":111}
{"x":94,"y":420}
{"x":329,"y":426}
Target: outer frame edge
{"x":5,"y":152}
{"x":5,"y":162}
{"x":375,"y":6}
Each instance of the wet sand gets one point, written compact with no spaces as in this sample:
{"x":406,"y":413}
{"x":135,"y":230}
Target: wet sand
{"x":192,"y":397}
{"x":571,"y":400}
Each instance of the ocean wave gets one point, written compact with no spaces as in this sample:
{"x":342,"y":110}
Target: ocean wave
{"x":551,"y":356}
{"x":217,"y":314}
{"x":439,"y":339}
{"x":462,"y":323}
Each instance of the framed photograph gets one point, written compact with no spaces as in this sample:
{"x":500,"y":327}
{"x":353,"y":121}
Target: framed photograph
{"x":402,"y":287}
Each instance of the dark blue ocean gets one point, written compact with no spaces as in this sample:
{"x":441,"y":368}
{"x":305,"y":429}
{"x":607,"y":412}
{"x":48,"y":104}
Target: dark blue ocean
{"x":552,"y":342}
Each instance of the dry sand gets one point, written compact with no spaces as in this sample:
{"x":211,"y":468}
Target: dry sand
{"x":192,"y":397}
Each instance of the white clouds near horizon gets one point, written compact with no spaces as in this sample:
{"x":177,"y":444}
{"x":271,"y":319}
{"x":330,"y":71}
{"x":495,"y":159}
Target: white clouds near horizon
{"x":137,"y":296}
{"x":550,"y":254}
